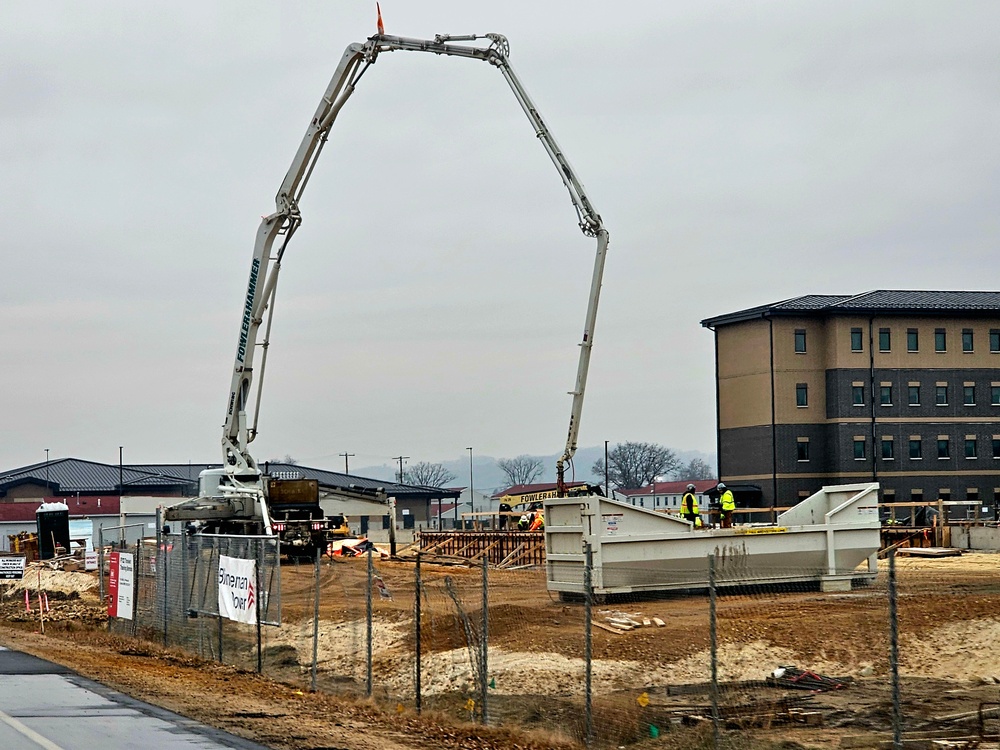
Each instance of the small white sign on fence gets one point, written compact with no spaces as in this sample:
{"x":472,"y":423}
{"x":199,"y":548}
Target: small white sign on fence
{"x":12,"y":567}
{"x":90,"y":560}
{"x":237,"y":594}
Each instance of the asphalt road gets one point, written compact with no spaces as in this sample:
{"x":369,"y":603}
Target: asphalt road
{"x":43,"y":705}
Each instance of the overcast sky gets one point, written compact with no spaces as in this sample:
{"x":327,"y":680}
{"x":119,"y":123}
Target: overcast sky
{"x":739,"y":153}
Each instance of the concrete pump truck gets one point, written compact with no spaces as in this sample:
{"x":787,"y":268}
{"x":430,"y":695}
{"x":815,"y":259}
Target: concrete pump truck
{"x":240,"y":498}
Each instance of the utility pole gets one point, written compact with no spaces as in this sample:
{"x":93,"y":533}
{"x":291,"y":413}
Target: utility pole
{"x":346,"y":456}
{"x":46,"y":469}
{"x":121,"y":471}
{"x":607,"y":492}
{"x":400,"y":459}
{"x":472,"y":489}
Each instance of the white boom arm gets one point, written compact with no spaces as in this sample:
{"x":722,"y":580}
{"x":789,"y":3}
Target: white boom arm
{"x":264,"y":268}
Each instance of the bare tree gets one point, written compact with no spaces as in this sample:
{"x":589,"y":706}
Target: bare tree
{"x":520,"y":470}
{"x":633,"y":465}
{"x":693,"y":471}
{"x":427,"y":475}
{"x":286,"y":460}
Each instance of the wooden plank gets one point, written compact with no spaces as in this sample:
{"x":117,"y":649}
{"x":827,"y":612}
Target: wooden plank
{"x":507,"y":559}
{"x":531,"y":550}
{"x":929,"y":552}
{"x":610,"y":629}
{"x":486,"y":550}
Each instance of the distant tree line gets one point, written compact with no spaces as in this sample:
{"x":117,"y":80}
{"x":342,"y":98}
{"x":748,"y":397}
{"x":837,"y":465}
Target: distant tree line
{"x":633,"y":464}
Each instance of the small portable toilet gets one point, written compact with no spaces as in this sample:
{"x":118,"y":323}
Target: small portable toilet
{"x":52,"y":520}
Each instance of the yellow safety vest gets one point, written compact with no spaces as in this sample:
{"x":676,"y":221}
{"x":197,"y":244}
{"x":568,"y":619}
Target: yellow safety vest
{"x":728,"y":501}
{"x":689,"y":504}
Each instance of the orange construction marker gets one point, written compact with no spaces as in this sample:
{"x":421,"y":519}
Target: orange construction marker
{"x":381,"y":28}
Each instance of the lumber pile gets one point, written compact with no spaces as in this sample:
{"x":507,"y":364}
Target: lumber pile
{"x":619,"y":623}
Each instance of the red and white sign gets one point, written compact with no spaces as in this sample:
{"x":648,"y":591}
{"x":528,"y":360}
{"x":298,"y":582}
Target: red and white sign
{"x":237,"y":589}
{"x":120,"y":585}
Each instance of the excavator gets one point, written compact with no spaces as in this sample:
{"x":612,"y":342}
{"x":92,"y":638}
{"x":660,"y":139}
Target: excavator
{"x":239,"y":497}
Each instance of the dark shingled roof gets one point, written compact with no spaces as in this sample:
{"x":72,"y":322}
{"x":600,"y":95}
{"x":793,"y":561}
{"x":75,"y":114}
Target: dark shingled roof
{"x":71,"y":475}
{"x":881,"y":301}
{"x":349,"y":481}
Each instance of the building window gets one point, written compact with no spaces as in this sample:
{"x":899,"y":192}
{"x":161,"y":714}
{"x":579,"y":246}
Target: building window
{"x":859,"y":449}
{"x":966,"y":339}
{"x":888,"y":454}
{"x":995,"y":395}
{"x":940,"y":340}
{"x":913,"y":395}
{"x":857,"y":342}
{"x":912,"y":341}
{"x":800,"y":341}
{"x":801,"y":394}
{"x":802,"y":450}
{"x":941,"y":395}
{"x":943,"y":447}
{"x":995,"y":340}
{"x":970,"y":448}
{"x":885,"y":395}
{"x":969,"y":395}
{"x":858,"y":395}
{"x":996,"y":447}
{"x":916,"y":449}
{"x":884,"y":340}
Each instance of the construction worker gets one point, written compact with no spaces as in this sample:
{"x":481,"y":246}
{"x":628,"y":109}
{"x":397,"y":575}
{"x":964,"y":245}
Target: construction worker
{"x":689,"y":506}
{"x":524,"y":522}
{"x":538,"y":522}
{"x":728,"y":504}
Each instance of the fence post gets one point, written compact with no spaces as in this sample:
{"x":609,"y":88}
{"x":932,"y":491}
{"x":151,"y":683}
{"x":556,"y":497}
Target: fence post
{"x":368,"y":621}
{"x":484,"y":645}
{"x":416,"y":620}
{"x":319,"y":555}
{"x":218,"y":543}
{"x":162,"y":553}
{"x":136,"y":570}
{"x":897,"y":713}
{"x":713,"y":636}
{"x":588,"y":599}
{"x":259,"y":548}
{"x":100,"y":567}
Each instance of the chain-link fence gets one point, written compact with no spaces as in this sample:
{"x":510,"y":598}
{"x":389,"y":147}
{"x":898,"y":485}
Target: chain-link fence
{"x":175,"y":592}
{"x":737,"y":659}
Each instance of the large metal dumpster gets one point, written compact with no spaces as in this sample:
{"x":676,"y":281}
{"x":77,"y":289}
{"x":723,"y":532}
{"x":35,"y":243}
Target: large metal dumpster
{"x":825,"y":539}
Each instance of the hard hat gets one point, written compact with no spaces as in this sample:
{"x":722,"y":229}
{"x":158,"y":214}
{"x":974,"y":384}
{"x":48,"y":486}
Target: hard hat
{"x":721,"y":486}
{"x":690,"y":487}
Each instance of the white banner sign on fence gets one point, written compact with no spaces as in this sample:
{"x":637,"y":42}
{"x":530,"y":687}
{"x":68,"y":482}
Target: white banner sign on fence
{"x":120,"y":580}
{"x":237,"y":594}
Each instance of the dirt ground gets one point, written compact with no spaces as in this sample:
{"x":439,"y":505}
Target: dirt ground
{"x":949,"y":613}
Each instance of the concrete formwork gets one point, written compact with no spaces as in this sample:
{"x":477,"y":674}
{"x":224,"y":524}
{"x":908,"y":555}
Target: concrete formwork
{"x":824,"y":539}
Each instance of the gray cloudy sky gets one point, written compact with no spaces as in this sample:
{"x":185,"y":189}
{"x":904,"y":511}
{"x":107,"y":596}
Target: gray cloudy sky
{"x":739,"y":152}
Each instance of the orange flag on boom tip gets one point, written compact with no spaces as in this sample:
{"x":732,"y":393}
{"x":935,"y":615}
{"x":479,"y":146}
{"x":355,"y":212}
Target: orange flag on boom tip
{"x":381,"y":28}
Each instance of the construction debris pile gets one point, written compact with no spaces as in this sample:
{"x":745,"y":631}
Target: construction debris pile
{"x":46,"y":592}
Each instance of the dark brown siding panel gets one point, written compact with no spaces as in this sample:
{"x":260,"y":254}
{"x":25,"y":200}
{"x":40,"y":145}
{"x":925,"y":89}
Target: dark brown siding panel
{"x":747,"y":451}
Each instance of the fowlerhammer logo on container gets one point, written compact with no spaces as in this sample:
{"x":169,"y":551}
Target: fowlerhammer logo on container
{"x":248,"y":310}
{"x":237,"y":598}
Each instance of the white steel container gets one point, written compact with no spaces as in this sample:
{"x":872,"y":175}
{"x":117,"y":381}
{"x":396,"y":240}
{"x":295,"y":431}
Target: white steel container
{"x":823,"y":539}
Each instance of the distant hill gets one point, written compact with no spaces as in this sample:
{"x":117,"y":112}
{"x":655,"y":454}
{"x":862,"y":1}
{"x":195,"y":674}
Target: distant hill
{"x":489,"y":478}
